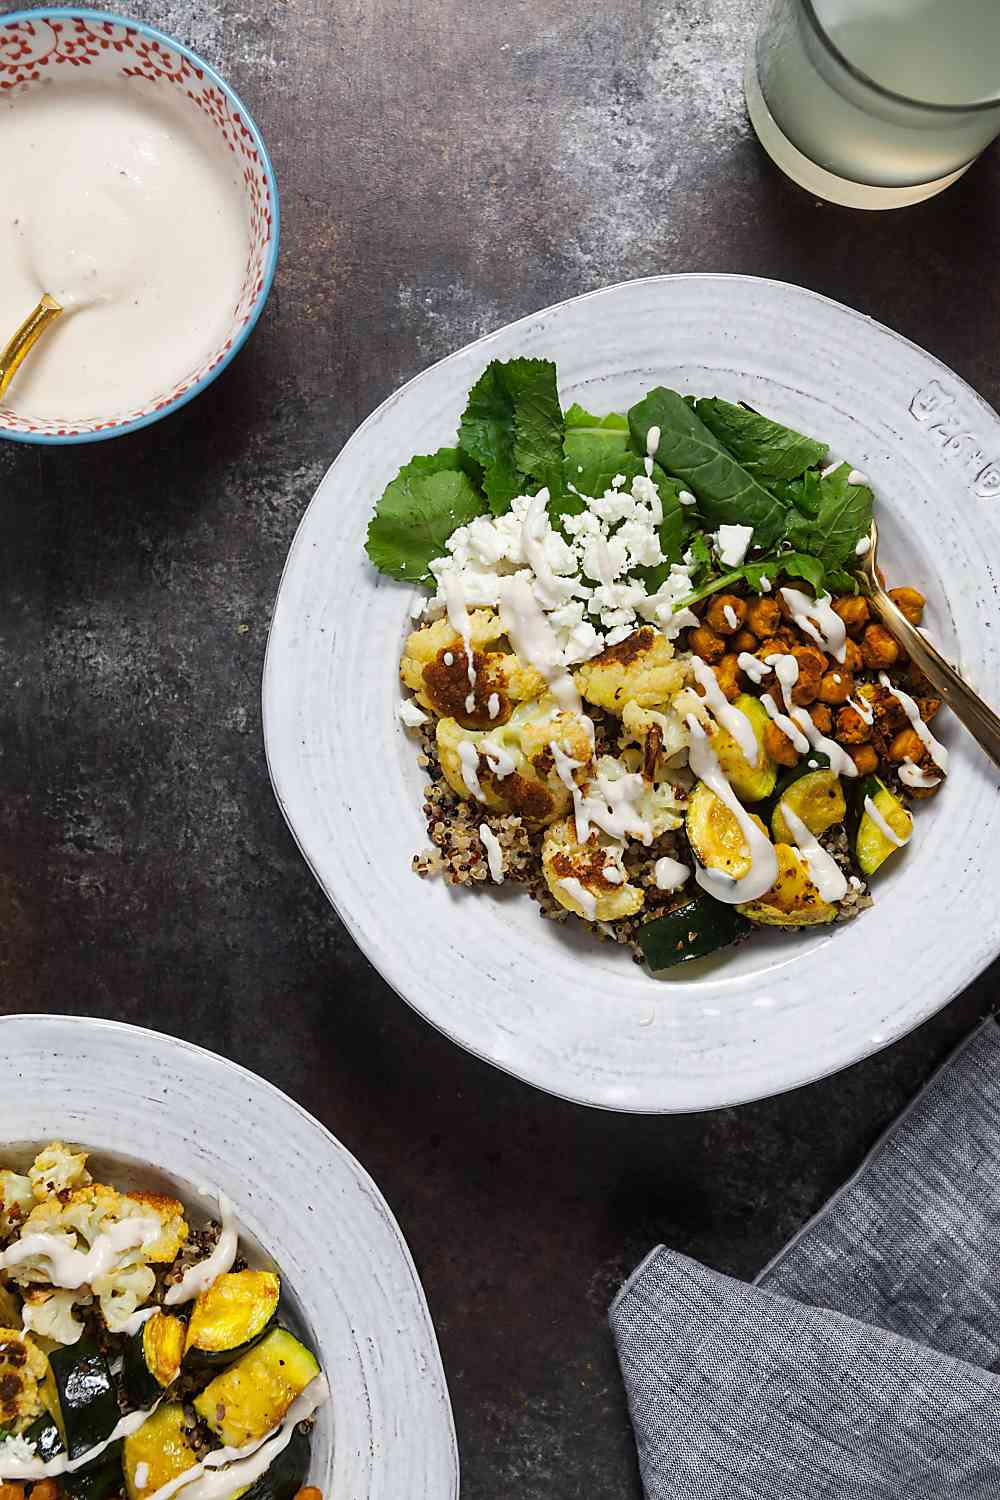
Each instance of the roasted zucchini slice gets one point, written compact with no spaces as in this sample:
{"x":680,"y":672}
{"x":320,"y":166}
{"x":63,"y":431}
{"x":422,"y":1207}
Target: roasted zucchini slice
{"x":694,"y":930}
{"x":286,"y":1476}
{"x":252,"y":1396}
{"x":817,"y":797}
{"x":793,"y":900}
{"x":231,"y":1316}
{"x":871,"y":847}
{"x":750,"y":783}
{"x":158,"y":1452}
{"x":153,"y":1358}
{"x":715,"y":835}
{"x":98,"y":1480}
{"x":88,"y":1405}
{"x":44,"y":1433}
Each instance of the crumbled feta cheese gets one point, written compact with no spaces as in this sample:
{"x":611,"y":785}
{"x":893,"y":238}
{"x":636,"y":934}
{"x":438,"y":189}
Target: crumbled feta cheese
{"x":731,"y":543}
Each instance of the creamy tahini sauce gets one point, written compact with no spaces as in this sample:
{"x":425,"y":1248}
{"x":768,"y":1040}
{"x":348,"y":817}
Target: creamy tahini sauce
{"x":120,"y":200}
{"x":763,"y":870}
{"x":827,"y":876}
{"x":68,"y":1267}
{"x":728,"y":715}
{"x":819,"y":620}
{"x":199,"y":1277}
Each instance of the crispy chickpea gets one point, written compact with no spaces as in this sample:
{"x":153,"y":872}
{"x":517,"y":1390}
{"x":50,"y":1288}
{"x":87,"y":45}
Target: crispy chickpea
{"x":723,"y":611}
{"x":865,"y":757}
{"x":730,"y":678}
{"x":778,"y":746}
{"x":763,"y":617}
{"x":812,"y":665}
{"x":851,"y":727}
{"x":11,"y":1492}
{"x":706,"y":644}
{"x":822,"y":717}
{"x":878,"y":648}
{"x":853,"y":610}
{"x":928,"y":708}
{"x":835,"y":686}
{"x":46,"y":1490}
{"x":744,"y":640}
{"x":852,"y":657}
{"x":907,"y":745}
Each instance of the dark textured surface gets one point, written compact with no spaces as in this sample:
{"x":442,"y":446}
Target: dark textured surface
{"x":445,"y":167}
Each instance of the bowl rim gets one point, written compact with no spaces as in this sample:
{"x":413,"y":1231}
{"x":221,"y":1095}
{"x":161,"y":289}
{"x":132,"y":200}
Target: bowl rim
{"x":85,"y":13}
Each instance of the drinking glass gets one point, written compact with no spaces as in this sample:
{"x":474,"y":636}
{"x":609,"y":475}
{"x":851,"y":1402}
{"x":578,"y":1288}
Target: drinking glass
{"x":875,"y":103}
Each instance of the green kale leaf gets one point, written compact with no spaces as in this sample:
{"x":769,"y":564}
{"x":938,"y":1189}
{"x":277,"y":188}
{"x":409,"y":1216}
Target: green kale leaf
{"x":843,"y":516}
{"x":766,"y":450}
{"x":513,"y":426}
{"x":429,"y":498}
{"x":725,"y":491}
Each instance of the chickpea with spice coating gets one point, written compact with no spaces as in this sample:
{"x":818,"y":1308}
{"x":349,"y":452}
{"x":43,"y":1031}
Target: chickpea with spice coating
{"x":729,"y":676}
{"x":778,"y":746}
{"x":763,"y":617}
{"x":706,"y":644}
{"x":878,"y":648}
{"x":853,"y":661}
{"x":865,"y":757}
{"x":907,"y":745}
{"x":744,"y":640}
{"x":822,"y":717}
{"x":726,"y":614}
{"x":851,"y":727}
{"x":910,"y":602}
{"x":836,"y":686}
{"x":812,"y":664}
{"x":853,"y":610}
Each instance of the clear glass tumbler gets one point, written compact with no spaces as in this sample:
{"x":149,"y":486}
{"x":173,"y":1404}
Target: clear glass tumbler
{"x":875,"y":103}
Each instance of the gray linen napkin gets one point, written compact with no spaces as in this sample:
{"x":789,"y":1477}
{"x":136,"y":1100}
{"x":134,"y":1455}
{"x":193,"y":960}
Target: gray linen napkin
{"x":853,"y":1366}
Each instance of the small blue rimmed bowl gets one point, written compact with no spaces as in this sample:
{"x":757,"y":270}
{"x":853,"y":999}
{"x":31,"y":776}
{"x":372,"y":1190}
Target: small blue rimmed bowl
{"x":47,"y":44}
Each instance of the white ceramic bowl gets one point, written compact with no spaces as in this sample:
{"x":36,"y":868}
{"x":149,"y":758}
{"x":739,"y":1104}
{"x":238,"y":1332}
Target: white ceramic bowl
{"x":543,"y":1001}
{"x":159,"y":1111}
{"x":66,"y":43}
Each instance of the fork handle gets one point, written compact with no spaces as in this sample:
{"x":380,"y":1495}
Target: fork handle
{"x":977,"y":716}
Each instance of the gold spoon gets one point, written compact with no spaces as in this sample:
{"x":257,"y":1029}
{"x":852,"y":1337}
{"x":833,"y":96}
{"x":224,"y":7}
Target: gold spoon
{"x":977,"y":716}
{"x":25,"y":339}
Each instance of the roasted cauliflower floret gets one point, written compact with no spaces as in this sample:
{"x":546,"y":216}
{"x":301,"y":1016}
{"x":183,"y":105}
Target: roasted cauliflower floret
{"x":659,"y":737}
{"x":16,"y":1202}
{"x":57,"y":1168}
{"x":435,"y":668}
{"x":23,"y":1367}
{"x":174,"y":1226}
{"x":588,"y":879}
{"x":123,"y":1292}
{"x":641,"y":669}
{"x":50,"y":1314}
{"x":654,"y":804}
{"x":512,"y":768}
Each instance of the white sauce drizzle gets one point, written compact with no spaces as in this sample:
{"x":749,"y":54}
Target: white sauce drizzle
{"x":784,"y":723}
{"x":864,"y":713}
{"x":729,"y":716}
{"x":532,"y":637}
{"x":863,"y":546}
{"x":817,"y":619}
{"x":838,"y":463}
{"x":469,"y":757}
{"x":131,"y":1325}
{"x":856,"y":477}
{"x":615,"y":808}
{"x":839,"y":759}
{"x":449,"y":659}
{"x":827,"y":876}
{"x":935,"y":749}
{"x":458,"y":619}
{"x":499,"y":760}
{"x":763,"y":870}
{"x":37,"y":1468}
{"x":786,"y":669}
{"x":730,"y":617}
{"x":494,"y":853}
{"x":141,"y":1476}
{"x":243,"y":1465}
{"x":198,"y":1278}
{"x":911,"y":774}
{"x":670,"y":874}
{"x":493,"y":705}
{"x":71,"y":1268}
{"x":755,"y":669}
{"x":765,"y":584}
{"x":579,"y":893}
{"x":883,"y":827}
{"x":652,"y":444}
{"x":685,"y":497}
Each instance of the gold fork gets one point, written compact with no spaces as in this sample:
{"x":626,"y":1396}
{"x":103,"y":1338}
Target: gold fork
{"x":977,"y":716}
{"x":25,"y":338}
